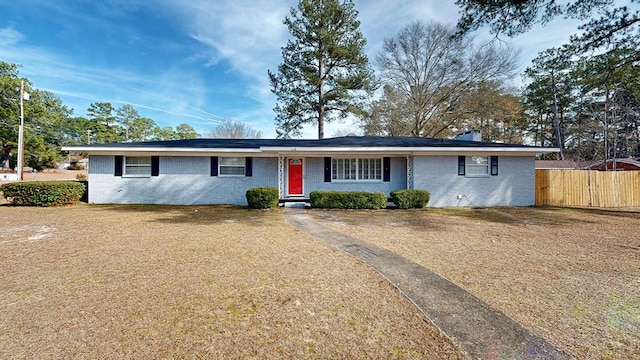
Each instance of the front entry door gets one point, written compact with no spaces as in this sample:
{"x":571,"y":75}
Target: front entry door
{"x":295,"y":177}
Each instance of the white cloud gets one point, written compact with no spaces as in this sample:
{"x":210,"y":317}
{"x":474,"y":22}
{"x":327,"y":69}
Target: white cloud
{"x":9,"y":36}
{"x":249,"y":36}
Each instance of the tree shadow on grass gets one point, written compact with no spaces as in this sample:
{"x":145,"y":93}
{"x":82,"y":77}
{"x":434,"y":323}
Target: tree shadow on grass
{"x":390,"y":217}
{"x":434,"y":218}
{"x":198,"y":214}
{"x":541,"y":215}
{"x":521,"y":215}
{"x":631,"y":214}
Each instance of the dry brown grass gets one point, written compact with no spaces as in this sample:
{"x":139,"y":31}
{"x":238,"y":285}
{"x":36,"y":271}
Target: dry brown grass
{"x":191,"y":282}
{"x":572,"y":276}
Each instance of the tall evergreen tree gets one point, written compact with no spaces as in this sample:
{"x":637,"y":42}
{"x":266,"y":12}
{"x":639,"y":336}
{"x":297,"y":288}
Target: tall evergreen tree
{"x":103,"y":114}
{"x":324,"y":70}
{"x":44,"y":116}
{"x":608,"y":24}
{"x":9,"y":113}
{"x":126,"y":115}
{"x":186,"y":131}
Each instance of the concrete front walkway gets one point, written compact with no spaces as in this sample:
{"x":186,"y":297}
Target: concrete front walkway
{"x":482,"y":331}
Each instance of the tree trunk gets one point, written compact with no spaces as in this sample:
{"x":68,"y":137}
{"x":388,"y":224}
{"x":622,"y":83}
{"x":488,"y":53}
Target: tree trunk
{"x":6,"y":154}
{"x":320,"y":99}
{"x":556,"y":122}
{"x":606,"y":129}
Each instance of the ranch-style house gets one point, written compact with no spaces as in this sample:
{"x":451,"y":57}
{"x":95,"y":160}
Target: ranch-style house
{"x":219,"y":171}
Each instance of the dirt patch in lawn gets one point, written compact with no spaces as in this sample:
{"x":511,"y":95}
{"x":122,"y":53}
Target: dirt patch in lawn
{"x":54,"y":174}
{"x":570,"y":275}
{"x":191,"y":282}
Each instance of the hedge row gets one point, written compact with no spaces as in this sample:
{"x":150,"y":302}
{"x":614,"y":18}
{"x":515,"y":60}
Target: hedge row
{"x":262,"y":197}
{"x":43,"y":193}
{"x":410,"y":198}
{"x":347,"y":200}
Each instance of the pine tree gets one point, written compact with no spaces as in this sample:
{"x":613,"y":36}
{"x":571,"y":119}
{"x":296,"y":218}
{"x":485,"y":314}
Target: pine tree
{"x":324,"y":72}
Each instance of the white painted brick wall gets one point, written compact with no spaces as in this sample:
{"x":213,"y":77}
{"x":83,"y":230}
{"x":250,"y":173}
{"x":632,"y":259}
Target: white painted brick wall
{"x":513,"y":186}
{"x":185,"y":180}
{"x":182,"y":181}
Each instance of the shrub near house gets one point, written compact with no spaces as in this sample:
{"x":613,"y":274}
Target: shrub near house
{"x":43,"y":193}
{"x":347,"y":200}
{"x":262,"y":198}
{"x":410,"y":198}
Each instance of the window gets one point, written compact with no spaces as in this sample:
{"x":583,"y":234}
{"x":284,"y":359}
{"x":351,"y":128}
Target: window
{"x":477,"y":166}
{"x":356,"y":169}
{"x":370,"y":169}
{"x":232,"y":166}
{"x":343,"y":169}
{"x":137,"y":166}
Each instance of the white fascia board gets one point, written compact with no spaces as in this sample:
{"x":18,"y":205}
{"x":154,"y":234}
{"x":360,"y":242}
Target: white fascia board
{"x":96,"y":150}
{"x":344,"y":153}
{"x":410,"y":150}
{"x":506,"y":151}
{"x":310,"y":151}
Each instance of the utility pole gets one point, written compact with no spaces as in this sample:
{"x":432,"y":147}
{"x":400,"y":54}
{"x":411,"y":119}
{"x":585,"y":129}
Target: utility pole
{"x":21,"y":134}
{"x":89,"y":137}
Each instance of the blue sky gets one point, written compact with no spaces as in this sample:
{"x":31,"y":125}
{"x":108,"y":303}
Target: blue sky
{"x":194,"y":62}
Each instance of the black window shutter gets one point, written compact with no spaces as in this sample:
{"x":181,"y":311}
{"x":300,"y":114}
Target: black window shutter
{"x":461,"y":165}
{"x":214,"y":166}
{"x":117,"y":171}
{"x":494,"y":165}
{"x":248,"y":166}
{"x":155,"y":165}
{"x":386,"y":169}
{"x":327,"y":169}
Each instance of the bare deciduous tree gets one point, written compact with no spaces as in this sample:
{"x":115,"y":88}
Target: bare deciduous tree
{"x":233,"y":129}
{"x":426,"y":72}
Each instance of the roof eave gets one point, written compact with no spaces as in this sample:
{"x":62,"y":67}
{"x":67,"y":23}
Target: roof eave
{"x":409,"y":150}
{"x":110,"y":150}
{"x":435,"y":150}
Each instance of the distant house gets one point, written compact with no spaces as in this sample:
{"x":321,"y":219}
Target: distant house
{"x":559,"y":164}
{"x":611,"y":164}
{"x":617,"y":165}
{"x":219,"y":171}
{"x":8,"y":175}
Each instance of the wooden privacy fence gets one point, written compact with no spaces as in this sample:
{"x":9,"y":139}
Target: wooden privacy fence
{"x":588,"y":188}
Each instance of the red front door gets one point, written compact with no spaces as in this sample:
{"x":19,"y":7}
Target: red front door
{"x":295,"y":176}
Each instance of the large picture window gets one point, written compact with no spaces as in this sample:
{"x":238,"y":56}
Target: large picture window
{"x":232,"y":166}
{"x":137,"y":166}
{"x":356,"y":169}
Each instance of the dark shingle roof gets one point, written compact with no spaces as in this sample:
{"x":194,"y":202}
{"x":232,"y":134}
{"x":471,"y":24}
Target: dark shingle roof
{"x":347,"y":141}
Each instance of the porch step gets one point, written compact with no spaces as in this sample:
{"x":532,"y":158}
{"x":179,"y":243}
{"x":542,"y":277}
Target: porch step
{"x":304,"y":201}
{"x":294,"y":200}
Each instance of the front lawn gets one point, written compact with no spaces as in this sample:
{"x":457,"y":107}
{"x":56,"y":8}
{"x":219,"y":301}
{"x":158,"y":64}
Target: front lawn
{"x":570,"y":275}
{"x":193,"y":282}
